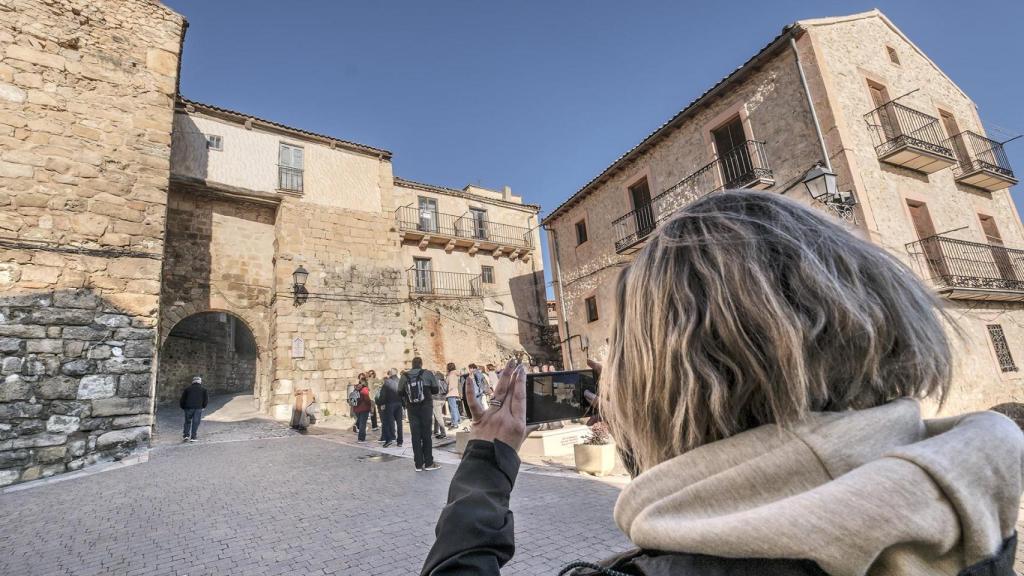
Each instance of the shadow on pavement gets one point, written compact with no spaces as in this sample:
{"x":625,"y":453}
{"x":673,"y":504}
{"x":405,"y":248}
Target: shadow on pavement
{"x":227,"y":418}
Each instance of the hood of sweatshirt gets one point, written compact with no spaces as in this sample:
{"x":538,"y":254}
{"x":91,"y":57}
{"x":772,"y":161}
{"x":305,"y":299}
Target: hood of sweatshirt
{"x":877,"y":491}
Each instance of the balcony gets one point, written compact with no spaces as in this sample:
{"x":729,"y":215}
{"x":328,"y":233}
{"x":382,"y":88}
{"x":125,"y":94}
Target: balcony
{"x":965,"y":270}
{"x":745,"y":166}
{"x":289,"y":179}
{"x":981,"y":162}
{"x":428,"y":283}
{"x":905,"y":137}
{"x":428,"y":227}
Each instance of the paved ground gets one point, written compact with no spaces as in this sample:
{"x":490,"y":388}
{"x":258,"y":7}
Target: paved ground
{"x":279,"y":503}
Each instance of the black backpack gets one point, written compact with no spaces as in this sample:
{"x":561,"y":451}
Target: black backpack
{"x":442,"y":384}
{"x":414,"y":388}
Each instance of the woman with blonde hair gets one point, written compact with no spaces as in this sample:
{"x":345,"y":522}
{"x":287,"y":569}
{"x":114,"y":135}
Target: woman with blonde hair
{"x":763,"y":386}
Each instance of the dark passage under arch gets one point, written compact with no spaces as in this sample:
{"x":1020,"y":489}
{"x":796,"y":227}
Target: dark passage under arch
{"x":215,"y":345}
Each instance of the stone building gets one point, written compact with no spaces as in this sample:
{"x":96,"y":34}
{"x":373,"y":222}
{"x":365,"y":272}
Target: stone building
{"x":140,"y":230}
{"x":395,"y":268}
{"x":87,"y":91}
{"x":915,"y":174}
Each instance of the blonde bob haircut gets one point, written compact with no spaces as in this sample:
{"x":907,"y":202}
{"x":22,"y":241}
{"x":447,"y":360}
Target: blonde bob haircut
{"x":746,"y":309}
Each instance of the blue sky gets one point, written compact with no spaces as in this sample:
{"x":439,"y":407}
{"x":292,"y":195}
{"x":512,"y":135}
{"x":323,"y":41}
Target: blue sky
{"x":539,"y":95}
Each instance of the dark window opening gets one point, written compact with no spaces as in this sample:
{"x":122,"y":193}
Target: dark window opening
{"x":591,"y":309}
{"x":1002,"y":348}
{"x":581,"y":232}
{"x":487,"y":274}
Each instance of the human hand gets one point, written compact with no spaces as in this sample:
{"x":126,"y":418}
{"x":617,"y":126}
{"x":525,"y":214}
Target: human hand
{"x":505,"y":419}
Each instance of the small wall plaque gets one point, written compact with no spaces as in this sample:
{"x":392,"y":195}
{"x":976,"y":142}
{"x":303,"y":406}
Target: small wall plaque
{"x":298,"y":348}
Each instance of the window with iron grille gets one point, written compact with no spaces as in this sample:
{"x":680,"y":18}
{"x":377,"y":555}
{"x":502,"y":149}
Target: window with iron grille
{"x":591,"y":309}
{"x":581,"y":232}
{"x":289,"y":168}
{"x":487,"y":274}
{"x":1002,"y":348}
{"x":214,"y":142}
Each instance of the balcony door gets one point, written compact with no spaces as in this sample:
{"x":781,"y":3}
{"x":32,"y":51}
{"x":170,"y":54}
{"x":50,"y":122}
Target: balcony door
{"x":423,"y":279}
{"x":428,"y":214}
{"x":640,"y":195}
{"x":999,"y":253}
{"x":887,"y":123}
{"x":479,"y":217}
{"x":925,"y":229}
{"x":734,"y":158}
{"x":957,"y":140}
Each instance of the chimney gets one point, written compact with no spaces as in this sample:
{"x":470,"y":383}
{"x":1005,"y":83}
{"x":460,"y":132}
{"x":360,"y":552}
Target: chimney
{"x":506,"y":194}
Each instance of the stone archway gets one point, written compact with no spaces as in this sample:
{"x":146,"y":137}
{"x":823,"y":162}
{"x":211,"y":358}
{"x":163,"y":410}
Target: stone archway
{"x":219,"y":346}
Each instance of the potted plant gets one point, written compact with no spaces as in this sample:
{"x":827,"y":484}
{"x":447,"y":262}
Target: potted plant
{"x":596,"y":455}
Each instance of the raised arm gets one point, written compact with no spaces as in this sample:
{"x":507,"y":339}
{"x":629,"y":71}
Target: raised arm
{"x":477,"y":514}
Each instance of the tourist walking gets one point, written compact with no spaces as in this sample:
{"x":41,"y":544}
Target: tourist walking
{"x":439,"y":403}
{"x":417,"y":388}
{"x":390,"y":404}
{"x":362,"y":409}
{"x":193,"y":400}
{"x":472,"y":387}
{"x":779,"y":429}
{"x":374,"y":383}
{"x":452,"y":397}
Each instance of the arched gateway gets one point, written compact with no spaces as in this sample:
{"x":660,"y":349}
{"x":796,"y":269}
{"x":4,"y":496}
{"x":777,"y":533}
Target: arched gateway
{"x":218,"y":346}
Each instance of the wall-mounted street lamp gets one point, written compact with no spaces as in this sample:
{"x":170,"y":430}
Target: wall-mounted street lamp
{"x":299,"y":285}
{"x":820,"y":183}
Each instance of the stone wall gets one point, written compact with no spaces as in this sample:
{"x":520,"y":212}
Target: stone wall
{"x":86,"y":100}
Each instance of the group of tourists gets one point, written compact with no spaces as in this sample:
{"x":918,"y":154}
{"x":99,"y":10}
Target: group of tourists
{"x":435,"y":403}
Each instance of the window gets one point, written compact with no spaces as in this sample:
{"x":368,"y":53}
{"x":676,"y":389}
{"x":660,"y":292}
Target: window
{"x":922,"y":219}
{"x":479,"y":223}
{"x":487,"y":274}
{"x":581,"y":232}
{"x":591,"y":304}
{"x":214,"y":142}
{"x":893,"y":56}
{"x":422,"y":278}
{"x":1002,"y":349}
{"x":428,"y":214}
{"x":289,"y":168}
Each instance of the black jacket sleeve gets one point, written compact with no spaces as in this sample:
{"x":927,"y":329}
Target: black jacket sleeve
{"x":206,"y":398}
{"x":181,"y":401}
{"x":477,"y":522}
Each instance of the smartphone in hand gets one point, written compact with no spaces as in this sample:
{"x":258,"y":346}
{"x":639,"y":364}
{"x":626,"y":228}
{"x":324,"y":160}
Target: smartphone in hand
{"x":555,"y":396}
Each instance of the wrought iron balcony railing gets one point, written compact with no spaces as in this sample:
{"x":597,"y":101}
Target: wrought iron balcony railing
{"x":430,"y":283}
{"x":413,"y":219}
{"x":980,"y":161}
{"x":964,"y":268}
{"x":745,"y":166}
{"x":905,"y":137}
{"x":289,"y":179}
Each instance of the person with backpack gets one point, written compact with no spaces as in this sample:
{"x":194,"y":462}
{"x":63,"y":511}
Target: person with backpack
{"x":390,"y":404}
{"x":439,"y":402}
{"x":361,"y":404}
{"x":193,"y":400}
{"x":417,"y":388}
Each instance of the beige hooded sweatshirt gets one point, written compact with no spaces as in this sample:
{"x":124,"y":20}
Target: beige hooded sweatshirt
{"x":876,"y":491}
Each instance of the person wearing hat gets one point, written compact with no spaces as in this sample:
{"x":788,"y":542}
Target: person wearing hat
{"x":193,"y":400}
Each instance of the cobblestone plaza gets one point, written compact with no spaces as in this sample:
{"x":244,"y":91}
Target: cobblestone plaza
{"x":278,"y":503}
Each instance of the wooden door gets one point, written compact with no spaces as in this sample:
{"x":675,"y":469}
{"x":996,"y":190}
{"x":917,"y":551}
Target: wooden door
{"x":925,"y":229}
{"x":733,"y":155}
{"x":1004,"y":264}
{"x":640,"y":195}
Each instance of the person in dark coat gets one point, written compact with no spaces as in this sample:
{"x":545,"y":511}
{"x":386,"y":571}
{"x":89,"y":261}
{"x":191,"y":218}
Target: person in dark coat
{"x":422,"y":384}
{"x":193,"y":400}
{"x":362,"y":410}
{"x":763,"y":388}
{"x":390,"y":404}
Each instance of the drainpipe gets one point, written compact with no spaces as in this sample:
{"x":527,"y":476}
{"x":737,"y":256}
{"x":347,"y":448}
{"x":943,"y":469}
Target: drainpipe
{"x":553,"y":245}
{"x":810,"y":103}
